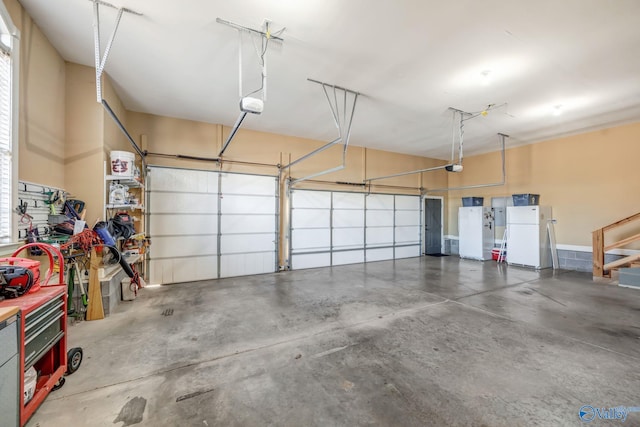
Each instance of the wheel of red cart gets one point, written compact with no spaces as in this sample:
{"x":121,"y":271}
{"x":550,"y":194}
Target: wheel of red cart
{"x":59,"y":384}
{"x":74,"y":359}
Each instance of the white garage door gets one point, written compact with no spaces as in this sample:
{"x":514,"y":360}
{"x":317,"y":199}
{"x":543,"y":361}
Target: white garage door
{"x":333,"y":228}
{"x":248,"y":224}
{"x":205,"y":225}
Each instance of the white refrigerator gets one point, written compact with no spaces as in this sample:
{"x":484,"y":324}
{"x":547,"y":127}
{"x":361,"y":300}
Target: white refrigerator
{"x":475,"y":232}
{"x":527,"y":236}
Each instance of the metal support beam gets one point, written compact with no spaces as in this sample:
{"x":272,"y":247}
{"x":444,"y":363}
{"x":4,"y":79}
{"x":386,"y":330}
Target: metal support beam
{"x":124,"y":131}
{"x":316,"y":151}
{"x":435,"y":168}
{"x":233,"y":132}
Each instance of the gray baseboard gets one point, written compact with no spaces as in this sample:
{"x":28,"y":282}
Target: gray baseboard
{"x":568,"y":260}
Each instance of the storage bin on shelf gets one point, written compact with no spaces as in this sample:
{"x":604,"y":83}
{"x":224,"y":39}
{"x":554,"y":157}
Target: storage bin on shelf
{"x":526,"y":199}
{"x":495,"y":254}
{"x":122,"y":163}
{"x":472,"y":201}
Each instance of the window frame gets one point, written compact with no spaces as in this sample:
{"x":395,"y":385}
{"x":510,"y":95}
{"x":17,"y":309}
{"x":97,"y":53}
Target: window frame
{"x":8,"y":27}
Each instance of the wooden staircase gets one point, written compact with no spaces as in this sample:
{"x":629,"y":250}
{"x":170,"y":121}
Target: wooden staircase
{"x":600,"y":269}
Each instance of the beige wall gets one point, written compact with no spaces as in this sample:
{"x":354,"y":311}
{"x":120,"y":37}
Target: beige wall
{"x":41,"y":130}
{"x":84,"y":154}
{"x":590,"y":180}
{"x":176,"y":136}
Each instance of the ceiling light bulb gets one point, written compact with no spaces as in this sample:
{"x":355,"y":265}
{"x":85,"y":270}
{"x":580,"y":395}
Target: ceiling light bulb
{"x":486,"y":79}
{"x":557,"y":110}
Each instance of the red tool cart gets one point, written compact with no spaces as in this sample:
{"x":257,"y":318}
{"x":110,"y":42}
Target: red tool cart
{"x":43,"y":333}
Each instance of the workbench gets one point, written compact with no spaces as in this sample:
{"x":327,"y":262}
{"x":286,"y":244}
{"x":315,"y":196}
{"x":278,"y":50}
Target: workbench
{"x":42,"y":341}
{"x":9,"y":365}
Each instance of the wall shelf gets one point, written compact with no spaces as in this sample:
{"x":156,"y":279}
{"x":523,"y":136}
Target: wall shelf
{"x":129,"y":181}
{"x":125,"y":206}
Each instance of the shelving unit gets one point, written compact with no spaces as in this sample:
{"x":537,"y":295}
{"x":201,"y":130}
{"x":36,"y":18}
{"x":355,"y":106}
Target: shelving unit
{"x":43,"y":341}
{"x":137,"y":210}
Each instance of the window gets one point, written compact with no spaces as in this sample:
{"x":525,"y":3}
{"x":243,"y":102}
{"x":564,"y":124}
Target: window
{"x":8,"y":123}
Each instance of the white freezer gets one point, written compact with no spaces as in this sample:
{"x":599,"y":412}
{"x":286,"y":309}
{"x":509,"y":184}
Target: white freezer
{"x":527,"y":236}
{"x":475,"y":232}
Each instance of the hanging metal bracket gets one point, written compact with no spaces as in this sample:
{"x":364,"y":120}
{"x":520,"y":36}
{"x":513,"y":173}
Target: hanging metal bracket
{"x":101,"y":58}
{"x":451,"y":166}
{"x":503,"y":138}
{"x":343,"y":119}
{"x":247,"y":103}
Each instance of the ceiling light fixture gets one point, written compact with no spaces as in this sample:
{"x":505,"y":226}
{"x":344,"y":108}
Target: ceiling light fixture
{"x":486,"y":77}
{"x":557,"y":110}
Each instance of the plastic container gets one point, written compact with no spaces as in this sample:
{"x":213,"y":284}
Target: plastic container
{"x":128,"y":294}
{"x":30,"y":381}
{"x":472,"y":201}
{"x":526,"y":199}
{"x":495,"y":254}
{"x":122,"y":163}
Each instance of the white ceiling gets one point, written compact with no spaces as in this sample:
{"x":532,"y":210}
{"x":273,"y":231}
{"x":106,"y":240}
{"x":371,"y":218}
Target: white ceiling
{"x":410,"y":59}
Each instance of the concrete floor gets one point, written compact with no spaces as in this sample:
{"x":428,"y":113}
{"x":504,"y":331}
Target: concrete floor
{"x":416,"y":342}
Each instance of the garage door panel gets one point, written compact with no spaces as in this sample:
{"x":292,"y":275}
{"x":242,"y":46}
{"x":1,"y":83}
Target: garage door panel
{"x":183,"y":246}
{"x":407,"y":251}
{"x":247,"y":184}
{"x":311,"y":199}
{"x":348,"y":257}
{"x":243,"y":243}
{"x":247,"y":224}
{"x":380,"y":201}
{"x":160,"y":271}
{"x":388,"y":223}
{"x":310,"y":261}
{"x":404,"y":218}
{"x":311,"y":218}
{"x":348,"y":237}
{"x":232,"y":204}
{"x":348,"y":201}
{"x":348,"y":218}
{"x":378,"y":236}
{"x":175,"y":270}
{"x":183,"y":224}
{"x":183,"y":180}
{"x":184,"y":270}
{"x":379,"y":218}
{"x":407,"y":234}
{"x":186,"y":203}
{"x":379,"y":254}
{"x":408,"y":202}
{"x":245,"y":264}
{"x":311,"y":239}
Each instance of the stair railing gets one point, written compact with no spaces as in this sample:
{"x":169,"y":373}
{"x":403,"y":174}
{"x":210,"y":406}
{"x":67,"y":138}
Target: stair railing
{"x":600,"y":269}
